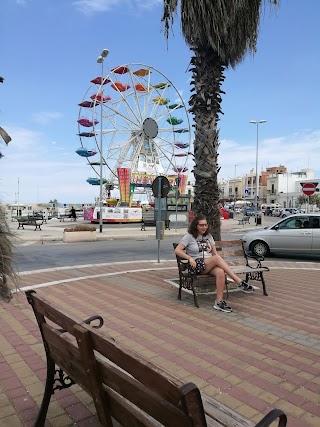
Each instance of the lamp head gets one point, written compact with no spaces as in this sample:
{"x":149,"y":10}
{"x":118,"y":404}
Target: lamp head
{"x":105,"y":53}
{"x":99,"y":59}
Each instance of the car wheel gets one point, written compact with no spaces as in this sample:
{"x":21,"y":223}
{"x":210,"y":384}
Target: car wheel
{"x":260,"y":248}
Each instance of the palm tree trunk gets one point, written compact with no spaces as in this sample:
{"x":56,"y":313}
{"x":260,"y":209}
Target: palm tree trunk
{"x":207,"y":76}
{"x":6,"y":260}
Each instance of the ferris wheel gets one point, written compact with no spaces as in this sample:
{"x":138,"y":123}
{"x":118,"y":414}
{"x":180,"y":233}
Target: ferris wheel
{"x":139,"y":119}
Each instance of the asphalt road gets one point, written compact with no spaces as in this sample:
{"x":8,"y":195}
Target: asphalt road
{"x":50,"y":255}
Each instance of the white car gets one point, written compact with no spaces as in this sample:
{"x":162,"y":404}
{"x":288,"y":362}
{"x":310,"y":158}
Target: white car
{"x":299,"y":233}
{"x":287,"y":212}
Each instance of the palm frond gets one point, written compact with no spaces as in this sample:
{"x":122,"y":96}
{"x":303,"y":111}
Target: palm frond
{"x":229,"y":27}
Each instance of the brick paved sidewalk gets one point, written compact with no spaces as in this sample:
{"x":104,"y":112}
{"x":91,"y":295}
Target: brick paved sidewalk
{"x":265,"y":354}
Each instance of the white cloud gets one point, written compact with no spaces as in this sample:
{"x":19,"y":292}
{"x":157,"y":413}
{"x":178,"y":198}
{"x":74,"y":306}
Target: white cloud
{"x":45,"y":117}
{"x":91,"y":7}
{"x":296,"y":151}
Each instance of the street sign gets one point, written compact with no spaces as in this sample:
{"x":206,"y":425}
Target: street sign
{"x":308,"y":188}
{"x":161,"y":189}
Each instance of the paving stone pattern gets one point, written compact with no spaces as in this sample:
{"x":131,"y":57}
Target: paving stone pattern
{"x":265,"y":354}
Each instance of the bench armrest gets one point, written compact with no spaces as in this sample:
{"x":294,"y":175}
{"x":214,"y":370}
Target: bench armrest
{"x":257,"y":258}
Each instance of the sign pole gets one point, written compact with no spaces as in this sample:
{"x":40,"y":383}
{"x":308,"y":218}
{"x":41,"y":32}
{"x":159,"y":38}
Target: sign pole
{"x":160,"y":189}
{"x":158,"y":222}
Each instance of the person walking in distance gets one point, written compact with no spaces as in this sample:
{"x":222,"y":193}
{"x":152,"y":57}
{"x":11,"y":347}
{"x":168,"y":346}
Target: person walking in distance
{"x":73,"y":214}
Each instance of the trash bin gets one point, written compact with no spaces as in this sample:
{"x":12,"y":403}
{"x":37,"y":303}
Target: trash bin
{"x":258,"y":219}
{"x":231,"y":215}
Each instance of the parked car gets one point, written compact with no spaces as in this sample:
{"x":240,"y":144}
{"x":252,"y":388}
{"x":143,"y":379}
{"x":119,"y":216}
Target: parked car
{"x":277,"y":211}
{"x":251,"y":211}
{"x":299,"y":233}
{"x":287,"y":212}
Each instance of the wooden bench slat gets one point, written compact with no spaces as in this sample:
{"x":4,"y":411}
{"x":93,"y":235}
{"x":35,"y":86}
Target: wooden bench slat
{"x":59,"y":317}
{"x":141,"y":369}
{"x":224,"y":416}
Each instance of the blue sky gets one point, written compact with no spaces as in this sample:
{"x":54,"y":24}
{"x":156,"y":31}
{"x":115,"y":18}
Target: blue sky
{"x":48,"y":57}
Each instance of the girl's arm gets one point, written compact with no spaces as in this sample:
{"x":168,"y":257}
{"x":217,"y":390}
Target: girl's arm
{"x":182,"y":254}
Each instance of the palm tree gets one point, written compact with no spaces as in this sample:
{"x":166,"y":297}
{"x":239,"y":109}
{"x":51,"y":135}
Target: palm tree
{"x":6,"y":260}
{"x":220,"y":33}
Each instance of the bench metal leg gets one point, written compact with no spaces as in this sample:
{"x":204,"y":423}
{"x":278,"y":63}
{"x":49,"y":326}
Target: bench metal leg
{"x":195,"y":297}
{"x":180,"y":290}
{"x":259,"y":277}
{"x":48,"y":391}
{"x":263,"y":285}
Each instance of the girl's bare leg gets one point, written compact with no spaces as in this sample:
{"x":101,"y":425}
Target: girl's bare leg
{"x":217,"y":261}
{"x":219,"y":274}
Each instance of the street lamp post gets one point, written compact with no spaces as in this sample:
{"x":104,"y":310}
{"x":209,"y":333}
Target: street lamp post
{"x":257,"y":122}
{"x":235,"y":177}
{"x":100,"y":60}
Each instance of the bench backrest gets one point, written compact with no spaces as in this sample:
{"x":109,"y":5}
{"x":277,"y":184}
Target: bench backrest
{"x":231,"y":251}
{"x":123,"y":385}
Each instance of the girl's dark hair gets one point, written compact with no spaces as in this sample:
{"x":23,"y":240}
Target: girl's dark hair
{"x":192,"y":229}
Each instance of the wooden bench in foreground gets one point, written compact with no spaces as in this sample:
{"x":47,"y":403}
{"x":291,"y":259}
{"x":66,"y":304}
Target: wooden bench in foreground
{"x":234,"y":254}
{"x":123,"y":385}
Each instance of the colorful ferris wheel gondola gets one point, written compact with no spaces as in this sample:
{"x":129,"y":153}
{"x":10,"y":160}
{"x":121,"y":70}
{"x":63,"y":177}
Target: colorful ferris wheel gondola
{"x":180,"y":169}
{"x":181,"y":145}
{"x":98,"y":97}
{"x":84,"y":152}
{"x":86,"y":134}
{"x":174,"y":121}
{"x":86,"y":104}
{"x":85,"y":122}
{"x":96,"y":181}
